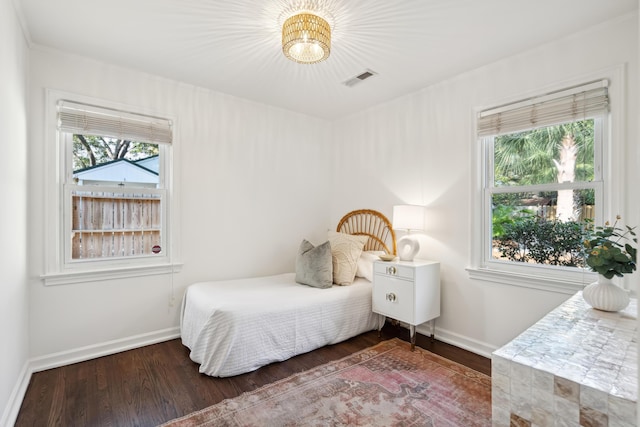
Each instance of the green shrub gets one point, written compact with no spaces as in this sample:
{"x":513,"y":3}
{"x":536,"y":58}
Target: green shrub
{"x":540,"y":241}
{"x":504,"y":215}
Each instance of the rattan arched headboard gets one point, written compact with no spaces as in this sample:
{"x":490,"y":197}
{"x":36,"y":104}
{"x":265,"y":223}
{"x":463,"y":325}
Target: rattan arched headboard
{"x":367,"y":222}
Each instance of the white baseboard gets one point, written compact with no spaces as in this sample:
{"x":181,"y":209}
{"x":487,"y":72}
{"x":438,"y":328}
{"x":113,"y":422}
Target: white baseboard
{"x":69,"y":357}
{"x":477,"y":347}
{"x":12,"y":409}
{"x":81,"y":354}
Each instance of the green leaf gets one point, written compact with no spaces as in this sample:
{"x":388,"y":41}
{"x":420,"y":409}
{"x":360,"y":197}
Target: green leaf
{"x":620,"y":257}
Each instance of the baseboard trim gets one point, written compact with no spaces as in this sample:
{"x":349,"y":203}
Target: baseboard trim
{"x":81,"y":354}
{"x":474,"y":346}
{"x":55,"y":360}
{"x":10,"y":414}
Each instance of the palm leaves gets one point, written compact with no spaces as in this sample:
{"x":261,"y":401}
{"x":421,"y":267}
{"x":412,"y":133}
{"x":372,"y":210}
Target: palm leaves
{"x":527,"y":158}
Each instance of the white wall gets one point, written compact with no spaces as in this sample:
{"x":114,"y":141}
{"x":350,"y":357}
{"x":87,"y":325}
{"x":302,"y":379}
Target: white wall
{"x":419,"y":149}
{"x":251,"y":182}
{"x":13,"y":213}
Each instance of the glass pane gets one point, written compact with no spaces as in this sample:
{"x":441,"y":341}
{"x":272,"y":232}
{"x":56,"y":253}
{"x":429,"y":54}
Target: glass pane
{"x":541,"y":228}
{"x":100,"y":160}
{"x":106,"y":224}
{"x":561,"y":153}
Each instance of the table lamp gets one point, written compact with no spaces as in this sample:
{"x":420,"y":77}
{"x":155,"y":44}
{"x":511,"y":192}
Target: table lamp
{"x":408,"y":217}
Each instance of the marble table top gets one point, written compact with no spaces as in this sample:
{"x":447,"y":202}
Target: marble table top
{"x":594,"y":348}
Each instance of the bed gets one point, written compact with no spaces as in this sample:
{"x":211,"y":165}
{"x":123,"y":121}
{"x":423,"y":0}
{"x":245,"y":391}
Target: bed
{"x":236,"y":326}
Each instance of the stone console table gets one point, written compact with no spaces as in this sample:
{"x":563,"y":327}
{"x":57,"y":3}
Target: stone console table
{"x":575,"y":367}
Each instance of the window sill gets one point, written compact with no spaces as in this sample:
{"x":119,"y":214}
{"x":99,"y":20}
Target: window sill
{"x":567,"y":283}
{"x":71,"y":277}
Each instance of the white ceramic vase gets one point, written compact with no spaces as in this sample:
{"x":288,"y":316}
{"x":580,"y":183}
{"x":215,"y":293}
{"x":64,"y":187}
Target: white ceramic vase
{"x":605,"y":295}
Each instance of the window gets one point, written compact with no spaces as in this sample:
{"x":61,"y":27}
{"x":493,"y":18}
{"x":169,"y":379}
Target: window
{"x":114,"y":193}
{"x":542,"y":178}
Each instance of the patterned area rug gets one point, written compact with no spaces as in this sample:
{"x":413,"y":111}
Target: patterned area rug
{"x":385,"y":385}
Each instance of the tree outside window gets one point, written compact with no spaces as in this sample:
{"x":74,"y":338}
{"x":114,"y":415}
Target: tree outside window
{"x":93,"y":150}
{"x":544,"y":226}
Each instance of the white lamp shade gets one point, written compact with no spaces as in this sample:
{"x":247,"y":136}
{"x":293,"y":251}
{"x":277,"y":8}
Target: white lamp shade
{"x":408,"y":217}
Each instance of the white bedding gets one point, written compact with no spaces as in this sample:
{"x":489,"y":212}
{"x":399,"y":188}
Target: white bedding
{"x":237,"y":326}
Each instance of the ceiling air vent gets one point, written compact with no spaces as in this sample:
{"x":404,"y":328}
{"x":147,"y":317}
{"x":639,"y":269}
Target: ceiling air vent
{"x":359,"y":78}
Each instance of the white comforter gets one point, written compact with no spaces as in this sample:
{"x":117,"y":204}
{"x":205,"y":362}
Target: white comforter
{"x":237,"y":326}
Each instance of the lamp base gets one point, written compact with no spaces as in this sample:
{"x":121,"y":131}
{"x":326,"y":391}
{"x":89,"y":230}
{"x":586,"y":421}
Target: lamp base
{"x":408,"y":247}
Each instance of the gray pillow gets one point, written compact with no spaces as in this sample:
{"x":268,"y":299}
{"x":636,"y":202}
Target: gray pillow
{"x":314,"y":266}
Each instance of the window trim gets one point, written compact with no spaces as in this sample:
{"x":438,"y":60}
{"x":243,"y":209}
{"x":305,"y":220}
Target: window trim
{"x":57,"y":270}
{"x":556,"y":279}
{"x":120,"y":272}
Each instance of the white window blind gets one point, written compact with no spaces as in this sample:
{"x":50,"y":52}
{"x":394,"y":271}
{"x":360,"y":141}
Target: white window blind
{"x":92,"y":120}
{"x":578,"y":103}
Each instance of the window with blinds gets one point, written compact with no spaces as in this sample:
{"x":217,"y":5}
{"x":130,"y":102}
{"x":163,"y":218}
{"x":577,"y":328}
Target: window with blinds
{"x":543,"y":178}
{"x":582,"y":102}
{"x":115,"y":186}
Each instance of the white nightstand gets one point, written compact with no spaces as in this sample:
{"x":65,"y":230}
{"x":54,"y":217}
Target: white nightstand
{"x":408,"y":291}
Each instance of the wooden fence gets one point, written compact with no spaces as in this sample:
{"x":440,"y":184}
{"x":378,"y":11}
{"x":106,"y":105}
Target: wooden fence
{"x":114,"y":225}
{"x":584,"y":212}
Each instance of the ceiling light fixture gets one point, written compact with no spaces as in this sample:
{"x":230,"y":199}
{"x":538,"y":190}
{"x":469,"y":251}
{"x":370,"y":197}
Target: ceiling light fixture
{"x":306,"y":38}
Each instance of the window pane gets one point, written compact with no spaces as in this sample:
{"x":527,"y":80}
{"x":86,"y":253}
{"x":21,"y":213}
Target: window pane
{"x":101,"y":160}
{"x":529,"y":227}
{"x":111,"y":224}
{"x":561,"y":153}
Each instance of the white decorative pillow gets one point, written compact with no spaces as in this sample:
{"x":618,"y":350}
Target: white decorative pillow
{"x":345,"y":251}
{"x":365,"y":264}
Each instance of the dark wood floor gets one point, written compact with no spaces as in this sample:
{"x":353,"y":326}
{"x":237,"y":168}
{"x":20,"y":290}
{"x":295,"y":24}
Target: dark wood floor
{"x":157,"y":383}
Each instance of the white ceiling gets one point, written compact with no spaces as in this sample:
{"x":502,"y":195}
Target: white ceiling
{"x":233,"y":46}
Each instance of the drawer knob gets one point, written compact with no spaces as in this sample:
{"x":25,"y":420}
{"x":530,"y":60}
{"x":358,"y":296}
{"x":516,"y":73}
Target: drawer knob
{"x":391,"y":270}
{"x":391,"y":297}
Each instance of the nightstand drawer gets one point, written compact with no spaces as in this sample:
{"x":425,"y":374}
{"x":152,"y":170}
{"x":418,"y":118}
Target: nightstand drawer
{"x":393,"y":270}
{"x":393,"y":297}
